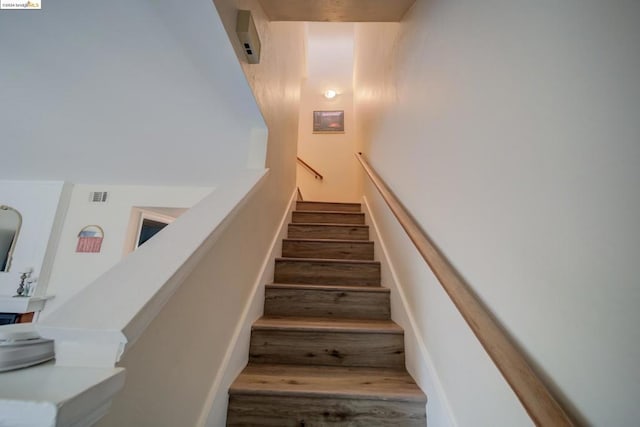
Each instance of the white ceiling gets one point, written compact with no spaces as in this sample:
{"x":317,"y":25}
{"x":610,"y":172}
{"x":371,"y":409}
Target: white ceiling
{"x":122,"y":92}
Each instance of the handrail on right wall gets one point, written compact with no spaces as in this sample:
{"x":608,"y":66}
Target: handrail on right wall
{"x":539,"y":402}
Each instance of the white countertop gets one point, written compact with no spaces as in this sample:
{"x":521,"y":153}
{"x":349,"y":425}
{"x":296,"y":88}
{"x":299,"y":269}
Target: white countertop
{"x":9,"y":304}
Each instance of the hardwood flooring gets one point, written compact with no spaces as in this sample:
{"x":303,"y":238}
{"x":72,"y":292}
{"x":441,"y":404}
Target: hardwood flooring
{"x":364,"y":302}
{"x":326,"y":352}
{"x":328,"y":231}
{"x":327,"y":271}
{"x":327,"y":248}
{"x":337,"y":217}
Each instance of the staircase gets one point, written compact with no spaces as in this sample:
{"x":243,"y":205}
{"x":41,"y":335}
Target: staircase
{"x":326,"y":352}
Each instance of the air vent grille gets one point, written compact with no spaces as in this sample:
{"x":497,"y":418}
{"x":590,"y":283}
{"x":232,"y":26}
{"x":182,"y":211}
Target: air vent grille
{"x":98,"y":196}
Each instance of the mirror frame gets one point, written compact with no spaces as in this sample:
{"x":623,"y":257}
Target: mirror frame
{"x":12,"y":247}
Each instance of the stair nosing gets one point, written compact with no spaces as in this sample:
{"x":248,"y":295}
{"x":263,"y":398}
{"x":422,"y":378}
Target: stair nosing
{"x":332,"y":325}
{"x":386,"y":397}
{"x":415,"y":395}
{"x":343,"y":288}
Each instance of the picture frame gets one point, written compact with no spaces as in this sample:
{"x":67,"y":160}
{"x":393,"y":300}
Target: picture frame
{"x":330,"y":122}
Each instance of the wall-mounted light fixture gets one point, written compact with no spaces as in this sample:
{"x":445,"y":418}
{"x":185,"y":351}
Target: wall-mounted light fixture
{"x":330,"y":94}
{"x":248,"y":36}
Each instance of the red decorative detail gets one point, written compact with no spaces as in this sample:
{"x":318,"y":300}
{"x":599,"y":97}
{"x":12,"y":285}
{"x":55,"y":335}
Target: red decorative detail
{"x":89,"y":244}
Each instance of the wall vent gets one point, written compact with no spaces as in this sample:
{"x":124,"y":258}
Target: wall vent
{"x":98,"y":196}
{"x":248,"y":36}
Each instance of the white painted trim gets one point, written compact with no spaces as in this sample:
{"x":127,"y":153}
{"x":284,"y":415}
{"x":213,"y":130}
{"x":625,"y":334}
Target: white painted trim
{"x":246,"y":320}
{"x":94,"y":416}
{"x":413,"y":329}
{"x":54,"y":241}
{"x":47,"y":395}
{"x":23,"y":305}
{"x":85,"y":320}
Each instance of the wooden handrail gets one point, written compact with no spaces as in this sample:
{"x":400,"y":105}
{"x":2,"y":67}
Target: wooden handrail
{"x":316,"y":174}
{"x":299,"y":197}
{"x":539,"y":402}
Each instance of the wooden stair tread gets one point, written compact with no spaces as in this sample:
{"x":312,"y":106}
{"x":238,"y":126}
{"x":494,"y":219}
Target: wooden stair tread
{"x":328,"y":230}
{"x":330,"y":301}
{"x":328,"y":381}
{"x":349,"y":241}
{"x":320,"y":202}
{"x":330,"y":260}
{"x":342,"y":206}
{"x":327,"y":324}
{"x":322,"y":271}
{"x":328,"y":217}
{"x":328,"y":249}
{"x":328,"y":224}
{"x":330,"y":212}
{"x":305,"y":287}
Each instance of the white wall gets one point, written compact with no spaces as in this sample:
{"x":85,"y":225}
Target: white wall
{"x":145,"y":92}
{"x":42,"y":206}
{"x":329,"y":66}
{"x":72,"y":271}
{"x":173,"y":361}
{"x":510,"y":132}
{"x":178,"y":359}
{"x":331,"y":155}
{"x":275,"y":84}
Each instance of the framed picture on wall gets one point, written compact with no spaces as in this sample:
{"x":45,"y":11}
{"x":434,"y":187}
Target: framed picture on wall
{"x":328,"y":122}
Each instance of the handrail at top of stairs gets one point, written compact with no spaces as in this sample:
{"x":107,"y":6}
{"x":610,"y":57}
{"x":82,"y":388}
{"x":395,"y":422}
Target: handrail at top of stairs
{"x":316,"y":174}
{"x":537,"y":399}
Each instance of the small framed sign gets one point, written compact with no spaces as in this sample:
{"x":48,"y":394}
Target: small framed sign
{"x":328,"y":122}
{"x":90,"y":239}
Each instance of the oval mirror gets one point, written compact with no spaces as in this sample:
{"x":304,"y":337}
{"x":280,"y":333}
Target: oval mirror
{"x":10,"y":223}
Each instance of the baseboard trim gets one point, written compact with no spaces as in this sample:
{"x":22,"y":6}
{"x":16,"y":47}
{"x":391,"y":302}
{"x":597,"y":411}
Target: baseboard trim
{"x":412,"y":328}
{"x":254,"y":304}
